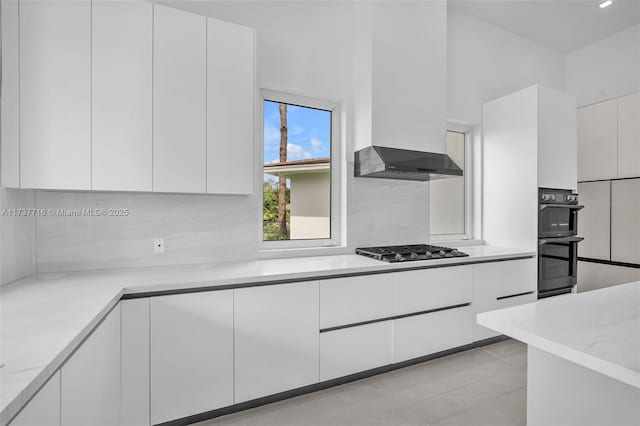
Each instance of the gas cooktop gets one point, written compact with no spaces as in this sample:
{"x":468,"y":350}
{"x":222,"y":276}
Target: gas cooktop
{"x":409,"y":252}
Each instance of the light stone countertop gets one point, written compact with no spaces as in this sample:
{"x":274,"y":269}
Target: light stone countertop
{"x":43,"y":318}
{"x":599,"y":329}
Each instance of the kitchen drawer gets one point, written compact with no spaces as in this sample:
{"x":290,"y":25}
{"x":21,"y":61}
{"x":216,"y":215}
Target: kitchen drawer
{"x":350,"y":350}
{"x":480,"y":332}
{"x":420,"y":335}
{"x":350,"y":300}
{"x":507,"y":278}
{"x":416,"y":291}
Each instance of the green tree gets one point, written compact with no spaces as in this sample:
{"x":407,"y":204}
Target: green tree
{"x":271,"y":211}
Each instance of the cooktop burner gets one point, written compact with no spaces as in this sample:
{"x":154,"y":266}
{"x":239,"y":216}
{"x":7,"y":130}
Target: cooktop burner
{"x":409,"y":252}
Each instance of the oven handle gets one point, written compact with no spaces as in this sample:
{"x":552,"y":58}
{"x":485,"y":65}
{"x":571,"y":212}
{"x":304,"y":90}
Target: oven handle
{"x":560,"y":240}
{"x":564,"y":206}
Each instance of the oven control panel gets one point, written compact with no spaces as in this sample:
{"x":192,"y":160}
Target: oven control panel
{"x":557,"y":196}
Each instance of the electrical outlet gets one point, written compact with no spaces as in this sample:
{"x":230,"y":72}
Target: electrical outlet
{"x":158,"y":245}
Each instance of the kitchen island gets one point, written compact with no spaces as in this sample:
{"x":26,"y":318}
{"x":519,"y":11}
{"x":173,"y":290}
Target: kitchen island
{"x":583,"y":356}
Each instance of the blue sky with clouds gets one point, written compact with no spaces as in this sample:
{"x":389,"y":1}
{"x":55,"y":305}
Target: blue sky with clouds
{"x":309,"y":133}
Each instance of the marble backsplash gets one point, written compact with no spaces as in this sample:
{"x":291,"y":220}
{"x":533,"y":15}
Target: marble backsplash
{"x":196,"y":229}
{"x":207,"y":228}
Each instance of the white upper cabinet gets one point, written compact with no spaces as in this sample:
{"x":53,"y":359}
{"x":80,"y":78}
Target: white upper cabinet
{"x":598,"y":141}
{"x":557,"y":140}
{"x":629,"y":135}
{"x":55,"y":94}
{"x":90,"y":378}
{"x":10,"y":99}
{"x":179,"y":101}
{"x":122,"y":43}
{"x":117,"y":95}
{"x":44,"y":407}
{"x":230,"y":105}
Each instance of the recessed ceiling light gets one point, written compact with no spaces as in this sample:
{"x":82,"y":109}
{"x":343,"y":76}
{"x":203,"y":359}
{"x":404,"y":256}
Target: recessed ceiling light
{"x":605,"y":4}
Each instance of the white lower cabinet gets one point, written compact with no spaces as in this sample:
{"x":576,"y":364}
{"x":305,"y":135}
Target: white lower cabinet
{"x":134,"y":398}
{"x":90,"y":379}
{"x":422,"y":290}
{"x":44,"y":407}
{"x":191,"y":354}
{"x":498,"y":285}
{"x":353,"y":349}
{"x":420,"y":335}
{"x":276,"y":338}
{"x":355,"y":299}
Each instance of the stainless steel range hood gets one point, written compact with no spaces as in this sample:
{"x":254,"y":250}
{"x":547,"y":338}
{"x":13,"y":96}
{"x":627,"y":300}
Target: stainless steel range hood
{"x":403,"y":164}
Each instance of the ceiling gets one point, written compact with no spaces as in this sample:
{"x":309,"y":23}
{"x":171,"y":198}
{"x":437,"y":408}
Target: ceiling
{"x":562,"y":25}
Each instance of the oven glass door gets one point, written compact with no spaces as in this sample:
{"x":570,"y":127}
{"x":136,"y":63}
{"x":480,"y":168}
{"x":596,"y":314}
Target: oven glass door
{"x":558,"y":221}
{"x":557,"y":263}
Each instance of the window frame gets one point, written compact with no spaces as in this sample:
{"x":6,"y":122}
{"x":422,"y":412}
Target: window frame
{"x":468,"y":234}
{"x":335,"y":166}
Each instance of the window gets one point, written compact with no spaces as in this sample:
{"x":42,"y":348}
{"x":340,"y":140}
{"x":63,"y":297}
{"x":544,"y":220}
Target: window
{"x":299,"y":178}
{"x":450,"y":198}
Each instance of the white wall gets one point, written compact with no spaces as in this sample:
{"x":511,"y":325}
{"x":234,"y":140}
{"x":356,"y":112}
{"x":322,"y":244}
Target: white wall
{"x":486,"y":62}
{"x":606,"y":69}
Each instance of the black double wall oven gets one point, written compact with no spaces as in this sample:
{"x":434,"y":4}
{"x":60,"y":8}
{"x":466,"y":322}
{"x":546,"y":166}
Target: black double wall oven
{"x":557,"y":241}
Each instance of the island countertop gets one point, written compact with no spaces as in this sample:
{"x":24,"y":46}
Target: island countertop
{"x":599,"y":330}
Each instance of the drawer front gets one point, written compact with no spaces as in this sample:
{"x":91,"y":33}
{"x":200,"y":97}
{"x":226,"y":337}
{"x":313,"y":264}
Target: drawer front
{"x":480,"y":332}
{"x":515,"y":277}
{"x":351,"y":300}
{"x":416,"y":291}
{"x":350,"y":350}
{"x":426,"y":334}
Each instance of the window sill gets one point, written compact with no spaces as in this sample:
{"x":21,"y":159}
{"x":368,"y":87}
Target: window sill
{"x":280,"y":253}
{"x":453,"y":242}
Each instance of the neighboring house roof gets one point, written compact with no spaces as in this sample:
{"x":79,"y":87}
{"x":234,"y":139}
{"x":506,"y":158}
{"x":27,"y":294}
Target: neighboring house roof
{"x":288,"y":168}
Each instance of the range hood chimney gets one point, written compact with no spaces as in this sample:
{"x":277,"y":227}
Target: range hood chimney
{"x":400,"y":96}
{"x":403,"y":164}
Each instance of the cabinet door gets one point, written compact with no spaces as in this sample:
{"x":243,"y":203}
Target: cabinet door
{"x":121,"y":95}
{"x":417,"y":291}
{"x":351,"y":300}
{"x":191,"y":354}
{"x":90,"y":388}
{"x":625,"y":214}
{"x":135,"y":362}
{"x":629,"y":135}
{"x":230,"y":104}
{"x":350,"y":350}
{"x":594,"y":220}
{"x":10,"y":99}
{"x":502,"y":284}
{"x":179,"y":101}
{"x":44,"y":407}
{"x":598,"y":141}
{"x":276,"y":339}
{"x":55,"y":94}
{"x":592,"y":276}
{"x":420,"y":335}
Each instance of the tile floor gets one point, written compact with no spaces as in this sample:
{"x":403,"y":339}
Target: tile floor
{"x":482,"y":386}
